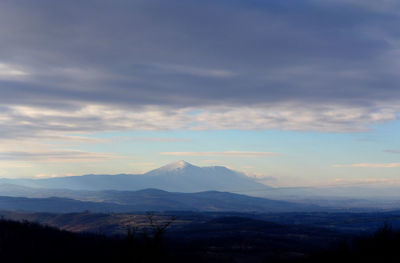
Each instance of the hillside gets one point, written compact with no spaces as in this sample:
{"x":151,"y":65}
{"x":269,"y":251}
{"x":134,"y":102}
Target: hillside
{"x":217,"y":240}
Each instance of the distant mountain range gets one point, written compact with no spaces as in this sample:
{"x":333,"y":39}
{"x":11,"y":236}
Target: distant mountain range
{"x":152,"y":200}
{"x":178,"y":186}
{"x":182,"y":186}
{"x":175,"y":177}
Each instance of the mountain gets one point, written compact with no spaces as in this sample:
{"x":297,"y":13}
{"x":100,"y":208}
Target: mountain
{"x":185,"y":177}
{"x":176,"y":177}
{"x":152,"y":200}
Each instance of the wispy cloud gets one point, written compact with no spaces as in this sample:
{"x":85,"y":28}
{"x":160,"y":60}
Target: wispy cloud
{"x":392,"y":151}
{"x":150,"y":139}
{"x":11,"y":72}
{"x":56,"y":156}
{"x":226,"y":153}
{"x":365,"y":181}
{"x":15,"y":164}
{"x":369,"y":165}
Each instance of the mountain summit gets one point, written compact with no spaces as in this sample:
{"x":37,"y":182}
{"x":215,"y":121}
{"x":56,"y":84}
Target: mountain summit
{"x":179,"y":176}
{"x":175,"y":166}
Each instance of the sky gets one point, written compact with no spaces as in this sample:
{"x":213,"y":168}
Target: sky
{"x":292,"y":93}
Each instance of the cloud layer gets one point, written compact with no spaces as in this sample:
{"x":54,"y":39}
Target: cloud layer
{"x":73,"y":66}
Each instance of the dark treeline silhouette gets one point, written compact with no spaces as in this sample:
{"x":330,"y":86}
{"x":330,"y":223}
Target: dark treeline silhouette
{"x":31,"y":242}
{"x":382,"y":246}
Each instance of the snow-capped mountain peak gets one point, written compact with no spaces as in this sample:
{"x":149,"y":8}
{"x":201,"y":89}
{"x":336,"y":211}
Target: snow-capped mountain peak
{"x":175,"y":166}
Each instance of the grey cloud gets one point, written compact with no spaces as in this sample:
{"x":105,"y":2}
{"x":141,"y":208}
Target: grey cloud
{"x":177,"y":54}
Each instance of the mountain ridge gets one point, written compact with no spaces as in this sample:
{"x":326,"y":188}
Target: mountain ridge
{"x":178,"y":176}
{"x":152,"y":200}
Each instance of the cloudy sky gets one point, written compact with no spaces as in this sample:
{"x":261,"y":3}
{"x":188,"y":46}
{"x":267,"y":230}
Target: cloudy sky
{"x":291,"y":92}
